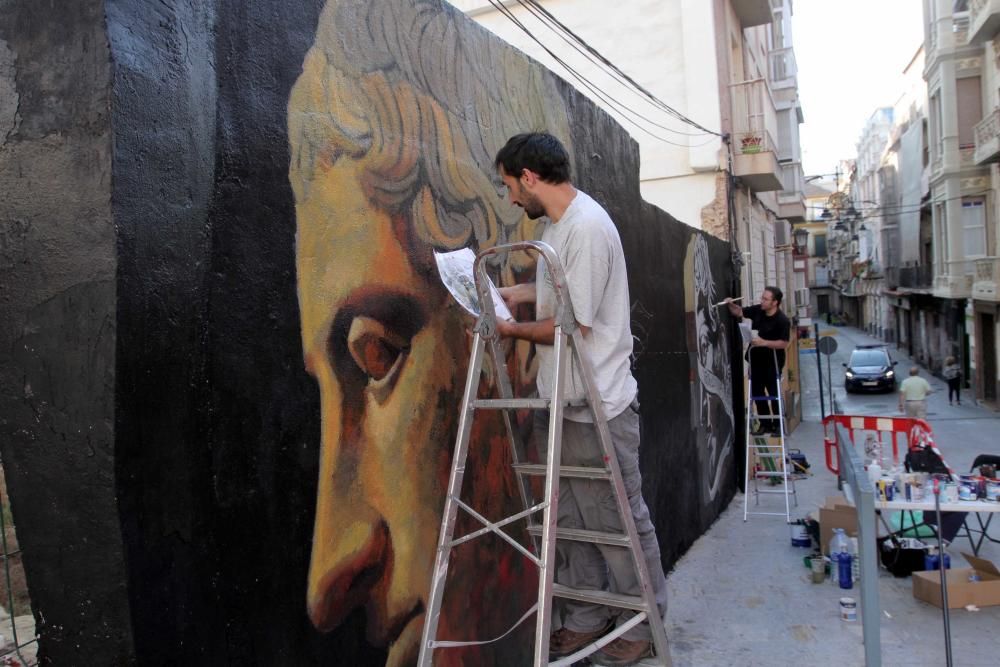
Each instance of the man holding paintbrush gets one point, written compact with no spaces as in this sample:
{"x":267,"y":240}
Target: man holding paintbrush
{"x":767,"y":350}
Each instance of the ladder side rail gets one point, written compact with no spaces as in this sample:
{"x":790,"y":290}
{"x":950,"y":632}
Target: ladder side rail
{"x":748,"y":475}
{"x":517,"y":450}
{"x":450,"y":513}
{"x":781,"y":436}
{"x":621,"y":496}
{"x":487,"y":321}
{"x":553,"y":460}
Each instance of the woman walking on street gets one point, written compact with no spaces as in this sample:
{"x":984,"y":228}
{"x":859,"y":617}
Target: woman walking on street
{"x":953,"y":374}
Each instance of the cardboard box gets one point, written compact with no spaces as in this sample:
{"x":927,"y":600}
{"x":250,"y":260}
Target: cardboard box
{"x":836,"y":512}
{"x":961,"y":591}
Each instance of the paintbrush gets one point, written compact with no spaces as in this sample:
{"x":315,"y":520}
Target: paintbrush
{"x":722,"y":303}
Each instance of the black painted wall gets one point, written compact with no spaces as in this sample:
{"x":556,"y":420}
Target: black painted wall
{"x":159,"y":433}
{"x":58,"y":326}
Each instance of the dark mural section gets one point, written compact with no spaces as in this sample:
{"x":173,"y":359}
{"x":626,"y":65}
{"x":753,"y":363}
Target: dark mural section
{"x":57,"y":326}
{"x":267,"y":368}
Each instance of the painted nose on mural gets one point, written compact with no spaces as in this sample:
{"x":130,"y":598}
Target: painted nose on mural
{"x":348,"y":584}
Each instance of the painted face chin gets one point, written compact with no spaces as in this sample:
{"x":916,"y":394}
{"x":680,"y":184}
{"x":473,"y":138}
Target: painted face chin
{"x":405,"y":650}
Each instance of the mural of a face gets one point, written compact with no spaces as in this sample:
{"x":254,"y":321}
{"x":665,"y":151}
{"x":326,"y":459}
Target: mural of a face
{"x":712,"y":400}
{"x":391,"y":158}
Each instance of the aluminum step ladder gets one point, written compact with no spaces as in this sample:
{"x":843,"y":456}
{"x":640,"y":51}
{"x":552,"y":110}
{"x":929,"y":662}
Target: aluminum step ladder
{"x":766,"y":455}
{"x":568,"y":340}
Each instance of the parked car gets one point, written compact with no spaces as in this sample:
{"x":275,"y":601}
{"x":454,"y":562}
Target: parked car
{"x":870,"y":369}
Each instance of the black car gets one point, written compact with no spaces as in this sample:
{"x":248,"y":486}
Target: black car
{"x":870,"y":369}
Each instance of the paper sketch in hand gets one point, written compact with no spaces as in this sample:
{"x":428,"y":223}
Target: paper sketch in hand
{"x":456,"y":274}
{"x":746,"y":330}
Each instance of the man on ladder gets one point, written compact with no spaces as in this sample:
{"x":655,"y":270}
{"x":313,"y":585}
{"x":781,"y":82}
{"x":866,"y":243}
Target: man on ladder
{"x":535,"y":169}
{"x":767,"y":351}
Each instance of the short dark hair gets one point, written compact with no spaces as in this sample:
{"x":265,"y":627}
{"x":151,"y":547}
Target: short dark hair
{"x":776,"y":293}
{"x":539,"y":152}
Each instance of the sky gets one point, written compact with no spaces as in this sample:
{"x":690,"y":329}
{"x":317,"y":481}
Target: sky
{"x":850,"y":56}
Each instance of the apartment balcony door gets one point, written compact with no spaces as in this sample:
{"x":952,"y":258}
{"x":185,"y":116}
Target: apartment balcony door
{"x":987,"y":344}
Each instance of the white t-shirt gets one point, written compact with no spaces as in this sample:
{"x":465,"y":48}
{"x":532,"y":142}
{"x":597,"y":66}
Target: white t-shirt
{"x":590,"y":250}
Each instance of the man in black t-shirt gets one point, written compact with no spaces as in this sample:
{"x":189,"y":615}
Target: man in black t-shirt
{"x":767,"y":349}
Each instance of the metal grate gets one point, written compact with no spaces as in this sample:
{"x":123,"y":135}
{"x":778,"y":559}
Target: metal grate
{"x":18,"y":646}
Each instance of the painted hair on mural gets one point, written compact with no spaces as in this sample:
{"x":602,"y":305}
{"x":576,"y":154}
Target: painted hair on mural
{"x":426,"y":126}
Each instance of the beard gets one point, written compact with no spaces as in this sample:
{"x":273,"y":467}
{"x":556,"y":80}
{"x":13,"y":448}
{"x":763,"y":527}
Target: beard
{"x":532,"y":208}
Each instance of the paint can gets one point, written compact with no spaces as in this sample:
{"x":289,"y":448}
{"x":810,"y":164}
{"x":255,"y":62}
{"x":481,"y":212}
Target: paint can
{"x":818,"y":569}
{"x":993,"y":490}
{"x":848,"y":610}
{"x":800,"y":536}
{"x":949,"y":492}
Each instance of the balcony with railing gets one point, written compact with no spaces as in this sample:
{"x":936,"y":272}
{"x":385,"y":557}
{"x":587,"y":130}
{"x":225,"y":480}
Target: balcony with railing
{"x":752,"y":12}
{"x":984,"y":285}
{"x":956,"y":280}
{"x":966,"y":156}
{"x":916,"y":276}
{"x":755,"y":124}
{"x":987,"y":133}
{"x":791,"y":198}
{"x":984,"y":20}
{"x":783,"y":68}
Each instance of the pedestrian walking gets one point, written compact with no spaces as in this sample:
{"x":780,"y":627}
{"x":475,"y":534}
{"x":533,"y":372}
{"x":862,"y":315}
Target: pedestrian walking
{"x":953,"y":374}
{"x":913,"y":393}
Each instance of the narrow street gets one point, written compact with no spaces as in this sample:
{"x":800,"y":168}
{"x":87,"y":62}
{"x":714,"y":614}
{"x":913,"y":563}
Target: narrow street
{"x":962,"y":431}
{"x":742,"y":594}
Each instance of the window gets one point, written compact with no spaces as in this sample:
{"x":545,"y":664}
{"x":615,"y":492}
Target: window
{"x":974,"y":226}
{"x":819,"y":246}
{"x":970,"y":109}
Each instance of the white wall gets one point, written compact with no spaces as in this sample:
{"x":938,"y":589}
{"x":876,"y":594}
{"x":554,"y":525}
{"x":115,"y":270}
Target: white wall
{"x":666,"y":47}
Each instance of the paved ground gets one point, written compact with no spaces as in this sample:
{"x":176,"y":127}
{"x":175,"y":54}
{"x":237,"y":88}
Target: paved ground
{"x":742,"y":596}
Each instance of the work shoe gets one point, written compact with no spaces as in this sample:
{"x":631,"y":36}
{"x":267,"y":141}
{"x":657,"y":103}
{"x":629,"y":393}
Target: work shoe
{"x":564,"y":641}
{"x":622,"y":652}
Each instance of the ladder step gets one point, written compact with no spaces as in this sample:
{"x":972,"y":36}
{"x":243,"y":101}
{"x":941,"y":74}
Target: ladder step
{"x":580,"y":535}
{"x":581,"y":472}
{"x":599,"y":597}
{"x":775,"y":491}
{"x":523,"y":403}
{"x":770,"y":473}
{"x":511,"y":403}
{"x":766,"y":454}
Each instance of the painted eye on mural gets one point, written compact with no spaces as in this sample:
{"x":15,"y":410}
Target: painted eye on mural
{"x":376,"y":349}
{"x":370,"y":340}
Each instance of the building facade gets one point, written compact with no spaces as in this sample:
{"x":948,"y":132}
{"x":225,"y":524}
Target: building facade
{"x":983,"y":318}
{"x":727,"y":64}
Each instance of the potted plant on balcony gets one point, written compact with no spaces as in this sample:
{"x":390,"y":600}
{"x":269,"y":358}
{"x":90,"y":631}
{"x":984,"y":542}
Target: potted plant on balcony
{"x":751,"y":143}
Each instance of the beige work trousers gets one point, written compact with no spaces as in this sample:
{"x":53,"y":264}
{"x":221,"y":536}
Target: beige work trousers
{"x":590,"y":504}
{"x":916,"y":409}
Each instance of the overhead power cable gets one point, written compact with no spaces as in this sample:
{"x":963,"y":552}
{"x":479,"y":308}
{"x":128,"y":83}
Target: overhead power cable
{"x":622,"y":110}
{"x":594,"y":56}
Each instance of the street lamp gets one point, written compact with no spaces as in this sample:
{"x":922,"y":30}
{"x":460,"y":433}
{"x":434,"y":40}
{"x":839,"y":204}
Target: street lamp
{"x":800,"y":237}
